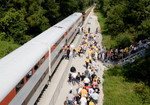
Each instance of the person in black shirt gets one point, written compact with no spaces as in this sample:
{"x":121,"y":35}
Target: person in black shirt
{"x":77,"y":99}
{"x":68,"y":52}
{"x":82,"y":77}
{"x":86,"y":72}
{"x":70,"y":78}
{"x":97,"y":89}
{"x":88,"y":99}
{"x":93,"y":75}
{"x":78,"y":77}
{"x":98,"y":81}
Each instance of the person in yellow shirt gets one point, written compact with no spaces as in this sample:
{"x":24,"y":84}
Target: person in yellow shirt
{"x":93,"y":46}
{"x":127,"y":50}
{"x":86,"y":44}
{"x":97,"y":49}
{"x":90,"y":52}
{"x":87,"y":62}
{"x":86,"y":33}
{"x":83,"y":92}
{"x":79,"y":50}
{"x":91,"y":102}
{"x":95,"y":79}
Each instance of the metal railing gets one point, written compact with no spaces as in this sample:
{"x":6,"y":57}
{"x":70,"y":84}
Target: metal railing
{"x":140,"y":54}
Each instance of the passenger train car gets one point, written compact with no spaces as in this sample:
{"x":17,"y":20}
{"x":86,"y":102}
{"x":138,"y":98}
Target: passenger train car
{"x":25,"y":71}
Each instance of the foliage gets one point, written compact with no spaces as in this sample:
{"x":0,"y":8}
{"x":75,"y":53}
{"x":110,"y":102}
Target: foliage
{"x":138,"y":71}
{"x":143,"y":91}
{"x":36,"y":19}
{"x":7,"y":47}
{"x":69,"y":6}
{"x":117,"y":91}
{"x":21,"y":20}
{"x":13,"y":25}
{"x":124,"y":17}
{"x":124,"y":39}
{"x":108,"y":40}
{"x":130,"y":83}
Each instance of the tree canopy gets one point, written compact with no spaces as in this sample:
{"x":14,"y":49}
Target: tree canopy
{"x":21,"y":20}
{"x":126,"y":18}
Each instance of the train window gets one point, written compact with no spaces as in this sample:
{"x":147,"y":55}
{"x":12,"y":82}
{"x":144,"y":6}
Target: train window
{"x":19,"y":85}
{"x":29,"y":75}
{"x":36,"y":66}
{"x":43,"y":59}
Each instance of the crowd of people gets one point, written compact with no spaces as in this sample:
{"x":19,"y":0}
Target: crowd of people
{"x":88,"y":87}
{"x":103,"y":54}
{"x":87,"y":81}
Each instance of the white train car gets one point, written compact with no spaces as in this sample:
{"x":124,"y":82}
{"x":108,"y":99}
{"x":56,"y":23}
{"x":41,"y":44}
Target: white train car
{"x":25,"y":71}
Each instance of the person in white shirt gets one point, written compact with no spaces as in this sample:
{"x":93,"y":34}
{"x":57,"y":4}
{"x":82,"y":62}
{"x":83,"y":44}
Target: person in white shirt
{"x":90,"y":90}
{"x":95,"y":97}
{"x":70,"y":98}
{"x":97,"y":67}
{"x":93,"y":64}
{"x":83,"y":100}
{"x":74,"y":75}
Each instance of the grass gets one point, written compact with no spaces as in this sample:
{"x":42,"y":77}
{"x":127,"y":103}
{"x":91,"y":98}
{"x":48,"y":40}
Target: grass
{"x":120,"y":88}
{"x":6,"y":48}
{"x":119,"y":92}
{"x":108,"y":41}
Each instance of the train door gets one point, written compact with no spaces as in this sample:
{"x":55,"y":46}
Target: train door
{"x":66,"y":42}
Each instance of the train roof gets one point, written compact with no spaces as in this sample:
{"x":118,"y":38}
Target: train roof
{"x":52,"y":35}
{"x":18,"y":63}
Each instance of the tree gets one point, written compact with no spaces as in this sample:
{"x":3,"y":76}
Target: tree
{"x":36,"y":19}
{"x":52,"y":11}
{"x":114,"y":19}
{"x":68,"y":7}
{"x":13,"y":26}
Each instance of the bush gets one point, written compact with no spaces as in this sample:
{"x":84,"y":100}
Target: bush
{"x":6,"y":48}
{"x":123,"y":40}
{"x":144,"y":92}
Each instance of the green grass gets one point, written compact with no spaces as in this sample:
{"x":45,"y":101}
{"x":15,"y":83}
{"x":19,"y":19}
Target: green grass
{"x":6,"y":48}
{"x":118,"y":90}
{"x":108,"y":41}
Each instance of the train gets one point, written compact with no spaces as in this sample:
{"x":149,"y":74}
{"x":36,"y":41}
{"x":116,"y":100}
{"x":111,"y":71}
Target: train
{"x":25,"y":72}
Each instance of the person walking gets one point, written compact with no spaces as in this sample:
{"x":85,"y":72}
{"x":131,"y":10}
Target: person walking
{"x":83,"y":100}
{"x":87,"y":62}
{"x":70,"y":98}
{"x":95,"y":97}
{"x":68,"y":52}
{"x":83,"y":92}
{"x":89,"y":30}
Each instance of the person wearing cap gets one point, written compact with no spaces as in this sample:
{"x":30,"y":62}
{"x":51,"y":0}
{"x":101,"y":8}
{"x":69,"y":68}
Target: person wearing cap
{"x":83,"y":100}
{"x":95,"y":97}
